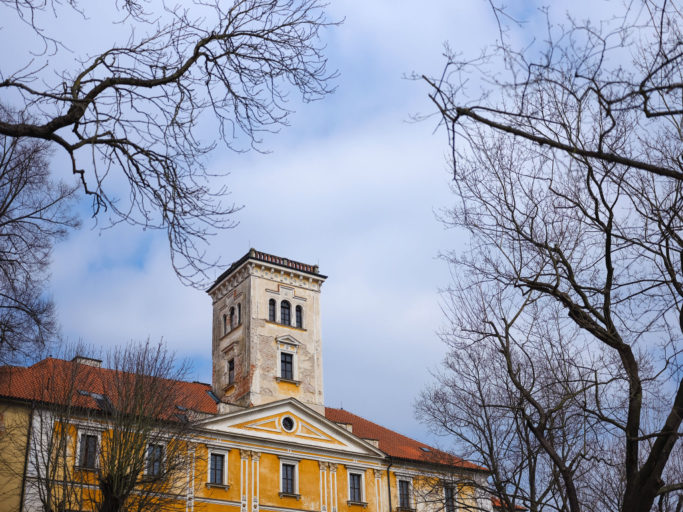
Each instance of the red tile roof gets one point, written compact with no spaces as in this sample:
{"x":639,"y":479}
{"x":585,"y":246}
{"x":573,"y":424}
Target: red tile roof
{"x":50,"y":381}
{"x":59,"y":381}
{"x":395,"y":444}
{"x":497,"y":503}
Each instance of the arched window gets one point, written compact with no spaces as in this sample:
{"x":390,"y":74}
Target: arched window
{"x":271,"y":310}
{"x":299,"y":317}
{"x":225,"y":324}
{"x":239,"y":313}
{"x":232,"y":317}
{"x":285,"y":313}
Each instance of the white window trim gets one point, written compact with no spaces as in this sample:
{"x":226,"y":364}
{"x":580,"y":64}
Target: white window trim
{"x":291,"y":462}
{"x":361,"y":473}
{"x":295,"y":363}
{"x":411,"y":501}
{"x":90,"y":432}
{"x":163,"y":458}
{"x":454,"y":487}
{"x":224,"y":453}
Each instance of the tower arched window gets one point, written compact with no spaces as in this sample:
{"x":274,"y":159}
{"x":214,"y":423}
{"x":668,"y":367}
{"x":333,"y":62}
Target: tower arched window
{"x":285,"y":313}
{"x":271,"y":310}
{"x":299,"y":317}
{"x":239,"y":313}
{"x":225,"y":324}
{"x":232,"y":317}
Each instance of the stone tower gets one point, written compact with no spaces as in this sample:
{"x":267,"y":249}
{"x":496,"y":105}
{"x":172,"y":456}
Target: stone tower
{"x":266,"y":342}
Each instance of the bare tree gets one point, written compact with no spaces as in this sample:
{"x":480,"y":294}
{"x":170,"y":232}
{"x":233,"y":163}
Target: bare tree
{"x":133,"y":110}
{"x":566,"y":311}
{"x":34,"y":214}
{"x":107,"y":439}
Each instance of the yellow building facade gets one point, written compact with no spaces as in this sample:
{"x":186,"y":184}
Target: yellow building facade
{"x":259,"y":438}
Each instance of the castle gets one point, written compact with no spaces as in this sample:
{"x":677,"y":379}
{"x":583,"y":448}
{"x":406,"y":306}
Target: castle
{"x":259,"y":437}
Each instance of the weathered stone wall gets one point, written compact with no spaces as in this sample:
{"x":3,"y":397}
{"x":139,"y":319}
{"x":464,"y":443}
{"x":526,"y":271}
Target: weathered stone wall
{"x":256,"y":343}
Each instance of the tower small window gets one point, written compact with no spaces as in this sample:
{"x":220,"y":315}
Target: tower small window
{"x":225,"y":324}
{"x":232,"y":317}
{"x":231,"y":371}
{"x":286,"y":366}
{"x":271,"y":310}
{"x":239,"y":313}
{"x":299,"y":317}
{"x":285,"y":313}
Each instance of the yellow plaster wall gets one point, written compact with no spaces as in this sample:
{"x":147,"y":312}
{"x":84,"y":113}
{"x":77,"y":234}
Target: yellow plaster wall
{"x":14,"y":422}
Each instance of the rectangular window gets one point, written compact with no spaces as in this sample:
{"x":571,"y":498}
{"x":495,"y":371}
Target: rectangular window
{"x":155,"y":459}
{"x":231,"y":371}
{"x":449,"y":495}
{"x":355,"y":488}
{"x":404,"y":494}
{"x":288,"y":483}
{"x":286,"y":366}
{"x":217,"y":469}
{"x":88,"y":455}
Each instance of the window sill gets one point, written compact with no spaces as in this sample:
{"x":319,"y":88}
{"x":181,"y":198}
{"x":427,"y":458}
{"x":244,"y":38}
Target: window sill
{"x":290,"y":495}
{"x":405,"y":509}
{"x":286,"y":325}
{"x":85,"y":468}
{"x":231,"y":330}
{"x":148,"y":479}
{"x":291,"y":381}
{"x":363,"y":504}
{"x":217,"y":486}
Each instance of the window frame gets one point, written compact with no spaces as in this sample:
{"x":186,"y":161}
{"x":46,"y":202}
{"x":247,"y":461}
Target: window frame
{"x":224,"y":474}
{"x":286,"y":305}
{"x":272,"y":310}
{"x":231,"y":371}
{"x":160,"y":474}
{"x":79,"y":450}
{"x":405,"y":499}
{"x":354,"y":472}
{"x":450,"y":501}
{"x":294,"y":463}
{"x":299,"y":316}
{"x":287,"y":355}
{"x":232,"y":317}
{"x":287,"y":461}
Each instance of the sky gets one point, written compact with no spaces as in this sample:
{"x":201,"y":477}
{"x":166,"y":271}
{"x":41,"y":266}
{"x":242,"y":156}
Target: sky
{"x":353,"y":185}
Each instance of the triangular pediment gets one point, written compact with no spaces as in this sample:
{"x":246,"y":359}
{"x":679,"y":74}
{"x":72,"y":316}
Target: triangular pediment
{"x":289,"y":421}
{"x":288,"y":339}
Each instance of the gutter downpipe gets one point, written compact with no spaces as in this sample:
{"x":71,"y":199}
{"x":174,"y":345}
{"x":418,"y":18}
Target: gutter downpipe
{"x":391,"y":463}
